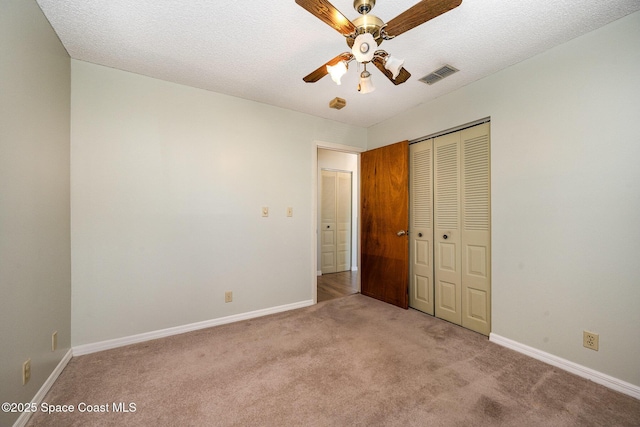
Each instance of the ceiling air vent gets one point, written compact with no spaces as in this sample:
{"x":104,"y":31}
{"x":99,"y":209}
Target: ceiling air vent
{"x":439,"y":74}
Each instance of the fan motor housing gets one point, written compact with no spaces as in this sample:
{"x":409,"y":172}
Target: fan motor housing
{"x":367,"y":24}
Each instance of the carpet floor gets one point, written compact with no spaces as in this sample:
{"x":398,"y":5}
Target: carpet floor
{"x":352,"y":361}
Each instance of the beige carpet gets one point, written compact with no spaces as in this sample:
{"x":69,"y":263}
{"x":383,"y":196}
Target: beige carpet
{"x":352,"y":361}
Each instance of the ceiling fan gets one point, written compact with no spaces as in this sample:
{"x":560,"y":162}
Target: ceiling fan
{"x":367,"y":32}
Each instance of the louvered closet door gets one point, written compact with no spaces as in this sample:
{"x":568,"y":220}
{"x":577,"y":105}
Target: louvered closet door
{"x":421,"y":226}
{"x":447,"y":236}
{"x":476,"y":231}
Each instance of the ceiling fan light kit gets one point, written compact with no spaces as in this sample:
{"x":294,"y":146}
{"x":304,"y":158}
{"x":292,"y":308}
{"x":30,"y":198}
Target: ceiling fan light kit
{"x":394,"y":65}
{"x":365,"y":85}
{"x":363,"y":48}
{"x":337,"y":71}
{"x":365,"y":33}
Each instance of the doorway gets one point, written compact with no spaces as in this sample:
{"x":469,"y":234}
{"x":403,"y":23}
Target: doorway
{"x":344,"y":161}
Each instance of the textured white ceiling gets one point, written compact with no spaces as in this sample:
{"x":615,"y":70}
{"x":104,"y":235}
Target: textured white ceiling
{"x":260,"y":50}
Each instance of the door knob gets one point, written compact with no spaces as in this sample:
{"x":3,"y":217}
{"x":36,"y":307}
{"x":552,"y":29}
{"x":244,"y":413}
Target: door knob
{"x":419,"y":234}
{"x":401,"y":233}
{"x":445,"y":237}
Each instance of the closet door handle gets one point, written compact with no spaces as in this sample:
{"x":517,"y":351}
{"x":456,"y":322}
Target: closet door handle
{"x":419,"y":234}
{"x":445,"y":237}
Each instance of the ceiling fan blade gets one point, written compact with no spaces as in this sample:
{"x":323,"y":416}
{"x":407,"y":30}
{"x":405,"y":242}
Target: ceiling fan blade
{"x":328,"y":14}
{"x":403,"y":76}
{"x":321,"y":71}
{"x":419,"y":14}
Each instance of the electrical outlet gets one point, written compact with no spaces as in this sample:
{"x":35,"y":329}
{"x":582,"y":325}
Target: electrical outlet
{"x":54,"y":341}
{"x":228,"y":296}
{"x":26,"y":371}
{"x":590,"y":340}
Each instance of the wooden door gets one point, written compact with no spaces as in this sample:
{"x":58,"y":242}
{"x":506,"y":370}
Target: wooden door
{"x":447,"y":237}
{"x":385,"y":215}
{"x":421,"y":226}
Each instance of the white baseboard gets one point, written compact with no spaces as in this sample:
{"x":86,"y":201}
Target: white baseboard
{"x":148,"y":336}
{"x":37,"y":399}
{"x":564,"y":364}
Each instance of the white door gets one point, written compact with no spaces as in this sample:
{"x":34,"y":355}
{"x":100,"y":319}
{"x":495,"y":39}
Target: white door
{"x":343,"y":219}
{"x":476,"y":229}
{"x":335,"y":221}
{"x":451,"y":173}
{"x":447,"y":236}
{"x":421,"y":226}
{"x":328,"y":221}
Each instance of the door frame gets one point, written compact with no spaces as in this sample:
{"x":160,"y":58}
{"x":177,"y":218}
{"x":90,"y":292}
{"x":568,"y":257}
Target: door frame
{"x":314,"y":207}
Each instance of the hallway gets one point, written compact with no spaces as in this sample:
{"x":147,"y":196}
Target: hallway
{"x":336,"y":285}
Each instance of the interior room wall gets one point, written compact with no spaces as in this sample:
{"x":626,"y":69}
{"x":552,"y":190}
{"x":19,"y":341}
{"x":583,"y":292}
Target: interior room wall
{"x":35,"y":266}
{"x":336,"y":160}
{"x":167,"y":186}
{"x":565,"y":142}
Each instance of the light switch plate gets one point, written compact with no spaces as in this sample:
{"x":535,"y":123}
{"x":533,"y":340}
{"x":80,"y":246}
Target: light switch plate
{"x":265,"y":211}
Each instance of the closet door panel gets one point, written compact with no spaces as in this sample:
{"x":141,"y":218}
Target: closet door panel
{"x":328,"y":222}
{"x":447,"y":236}
{"x":476,"y":229}
{"x":421,"y":295}
{"x":343,"y":221}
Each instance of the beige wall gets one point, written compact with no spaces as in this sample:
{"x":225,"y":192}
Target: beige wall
{"x":565,"y":144}
{"x":167,"y":182}
{"x":35,"y":282}
{"x":167,"y":185}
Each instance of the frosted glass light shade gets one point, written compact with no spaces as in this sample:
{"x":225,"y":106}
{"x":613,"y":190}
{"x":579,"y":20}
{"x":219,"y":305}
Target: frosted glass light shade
{"x":365,"y":86}
{"x":337,"y":71}
{"x":394,"y":65}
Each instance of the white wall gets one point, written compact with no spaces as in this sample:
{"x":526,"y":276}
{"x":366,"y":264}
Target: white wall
{"x":35,"y":266}
{"x":348,"y":162}
{"x":565,"y":144}
{"x":167,"y":185}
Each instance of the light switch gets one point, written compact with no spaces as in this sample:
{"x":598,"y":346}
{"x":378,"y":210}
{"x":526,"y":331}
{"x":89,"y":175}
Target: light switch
{"x":265,"y":211}
{"x":289,"y":211}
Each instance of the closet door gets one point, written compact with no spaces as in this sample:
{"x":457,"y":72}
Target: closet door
{"x":447,"y":236}
{"x":421,"y":226}
{"x":328,"y":222}
{"x":335,"y":222}
{"x":476,"y":229}
{"x":343,"y":221}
